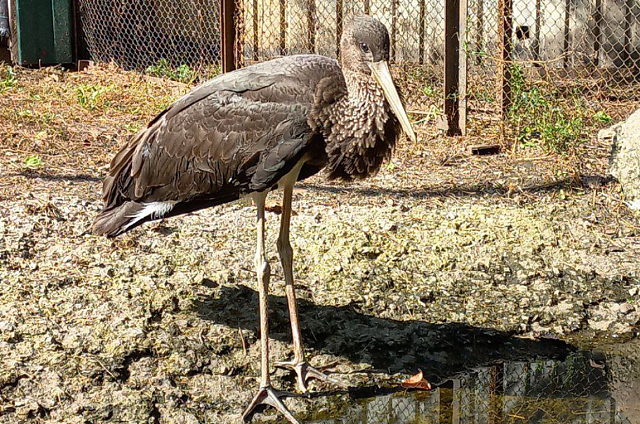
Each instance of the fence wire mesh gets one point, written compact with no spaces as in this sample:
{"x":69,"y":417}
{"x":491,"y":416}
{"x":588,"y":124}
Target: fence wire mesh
{"x":568,"y":64}
{"x":178,"y":39}
{"x":565,"y":62}
{"x":272,"y":28}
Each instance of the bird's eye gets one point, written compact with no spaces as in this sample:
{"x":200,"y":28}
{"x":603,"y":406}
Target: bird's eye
{"x":364,"y":48}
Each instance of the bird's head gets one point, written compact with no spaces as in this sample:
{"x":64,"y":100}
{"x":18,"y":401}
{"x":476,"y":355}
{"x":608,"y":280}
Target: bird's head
{"x":364,"y":49}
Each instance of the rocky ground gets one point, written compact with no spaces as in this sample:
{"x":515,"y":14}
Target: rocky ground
{"x":444,"y":261}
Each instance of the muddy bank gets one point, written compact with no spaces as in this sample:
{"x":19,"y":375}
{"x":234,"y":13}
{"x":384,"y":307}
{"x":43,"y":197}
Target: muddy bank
{"x":162,"y":325}
{"x":444,"y":262}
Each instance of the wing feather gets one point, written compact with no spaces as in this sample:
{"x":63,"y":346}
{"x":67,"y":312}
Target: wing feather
{"x":235,"y":134}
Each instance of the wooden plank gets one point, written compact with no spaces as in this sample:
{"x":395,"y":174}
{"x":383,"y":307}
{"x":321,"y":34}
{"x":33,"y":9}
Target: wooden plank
{"x":484,"y":149}
{"x":228,"y":31}
{"x":505,"y":47}
{"x":452,"y":66}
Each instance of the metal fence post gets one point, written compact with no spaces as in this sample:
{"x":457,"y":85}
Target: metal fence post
{"x":283,"y":27}
{"x":567,"y":33}
{"x":505,"y":45}
{"x":423,"y":20}
{"x":339,"y":12}
{"x":394,"y":20}
{"x":228,"y":33}
{"x":462,"y":67}
{"x":311,"y":24}
{"x":255,"y":30}
{"x":536,"y":51}
{"x":453,"y":65}
{"x":479,"y":31}
{"x":597,"y":31}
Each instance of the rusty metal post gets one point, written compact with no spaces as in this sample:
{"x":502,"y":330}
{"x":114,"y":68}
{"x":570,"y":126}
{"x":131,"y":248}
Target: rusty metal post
{"x":423,"y":21}
{"x":339,"y":15}
{"x":479,"y":31}
{"x":228,"y":33}
{"x":283,"y":27}
{"x":567,"y":33}
{"x":597,"y":32}
{"x":536,"y":50}
{"x":256,"y":40}
{"x":311,"y":24}
{"x":452,"y":66}
{"x":505,"y":46}
{"x":367,"y":7}
{"x":394,"y":20}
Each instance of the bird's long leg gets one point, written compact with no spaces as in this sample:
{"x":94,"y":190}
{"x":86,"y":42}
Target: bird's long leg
{"x":266,"y":395}
{"x":303,"y":370}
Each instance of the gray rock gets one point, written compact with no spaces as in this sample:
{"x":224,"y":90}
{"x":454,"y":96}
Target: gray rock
{"x":626,"y":308}
{"x":625,"y":157}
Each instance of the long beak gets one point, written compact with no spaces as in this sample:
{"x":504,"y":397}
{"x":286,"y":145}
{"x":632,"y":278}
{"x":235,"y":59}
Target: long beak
{"x":382,"y":75}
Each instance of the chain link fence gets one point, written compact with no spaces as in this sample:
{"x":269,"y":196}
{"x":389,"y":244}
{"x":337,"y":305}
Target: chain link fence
{"x":537,"y":70}
{"x":272,"y":28}
{"x":569,"y":65}
{"x":177,"y":39}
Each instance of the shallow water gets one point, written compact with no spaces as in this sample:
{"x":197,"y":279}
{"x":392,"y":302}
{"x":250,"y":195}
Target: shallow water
{"x":590,"y":387}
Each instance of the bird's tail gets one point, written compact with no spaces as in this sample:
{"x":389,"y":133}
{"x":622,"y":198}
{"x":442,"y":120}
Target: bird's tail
{"x":118,"y":219}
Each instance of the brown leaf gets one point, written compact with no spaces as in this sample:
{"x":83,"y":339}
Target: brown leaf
{"x":276,"y":208}
{"x":416,"y":382}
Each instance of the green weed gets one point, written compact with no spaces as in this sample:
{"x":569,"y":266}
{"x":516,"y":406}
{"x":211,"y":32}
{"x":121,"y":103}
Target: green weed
{"x":603,"y":117}
{"x":162,"y":69}
{"x":89,"y":95}
{"x":33,"y":162}
{"x":8,"y":80}
{"x":539,"y":115}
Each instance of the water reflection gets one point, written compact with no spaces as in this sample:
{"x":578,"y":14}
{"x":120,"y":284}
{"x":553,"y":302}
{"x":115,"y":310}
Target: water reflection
{"x":583,"y":388}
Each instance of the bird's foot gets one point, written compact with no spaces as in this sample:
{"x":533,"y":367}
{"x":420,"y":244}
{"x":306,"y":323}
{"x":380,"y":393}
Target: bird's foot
{"x":306,"y":372}
{"x":268,"y":396}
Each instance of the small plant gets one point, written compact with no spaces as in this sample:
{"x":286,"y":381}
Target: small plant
{"x":132,"y":127}
{"x":540,"y":115}
{"x":8,"y":80}
{"x":33,"y":162}
{"x":162,"y":69}
{"x":89,"y":95}
{"x":603,"y":117}
{"x":429,"y":91}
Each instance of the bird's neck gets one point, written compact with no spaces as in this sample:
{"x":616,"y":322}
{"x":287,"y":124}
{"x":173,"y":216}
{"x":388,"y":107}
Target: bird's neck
{"x":365,"y":102}
{"x":359,"y":129}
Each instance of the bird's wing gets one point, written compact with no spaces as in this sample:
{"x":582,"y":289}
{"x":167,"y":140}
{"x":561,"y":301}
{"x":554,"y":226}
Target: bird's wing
{"x":238,"y":133}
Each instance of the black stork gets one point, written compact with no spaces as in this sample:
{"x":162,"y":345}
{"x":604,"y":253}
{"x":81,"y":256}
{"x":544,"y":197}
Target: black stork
{"x":251,"y":131}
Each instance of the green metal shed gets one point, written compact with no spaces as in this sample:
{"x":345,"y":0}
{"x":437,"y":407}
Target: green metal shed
{"x":43,"y":32}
